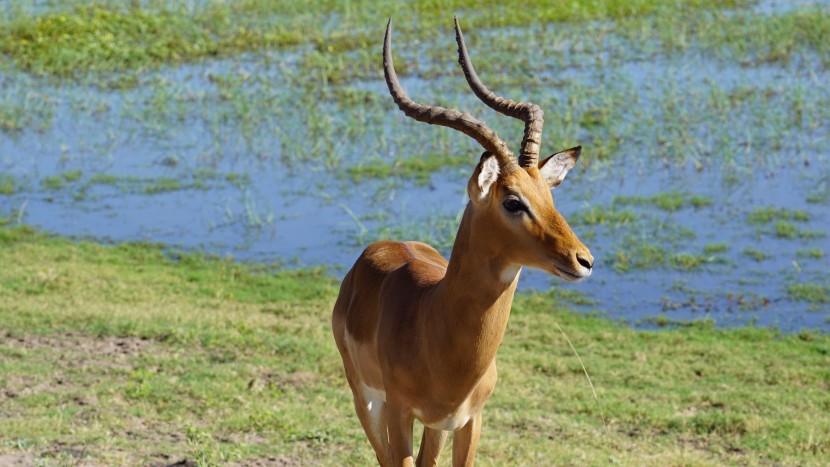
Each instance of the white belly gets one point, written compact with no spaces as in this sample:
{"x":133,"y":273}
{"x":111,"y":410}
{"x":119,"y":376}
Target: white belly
{"x":451,"y":422}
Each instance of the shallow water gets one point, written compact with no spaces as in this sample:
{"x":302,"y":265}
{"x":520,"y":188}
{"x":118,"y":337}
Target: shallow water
{"x":249,"y":157}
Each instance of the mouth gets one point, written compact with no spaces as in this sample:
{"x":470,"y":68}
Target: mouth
{"x":570,"y":276}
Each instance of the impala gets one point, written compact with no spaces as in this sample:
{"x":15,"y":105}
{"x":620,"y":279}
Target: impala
{"x":418,"y":335}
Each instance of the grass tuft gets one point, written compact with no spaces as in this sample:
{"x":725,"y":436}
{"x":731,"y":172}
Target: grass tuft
{"x":765,"y":215}
{"x":419,"y":168}
{"x":97,"y":38}
{"x":809,"y":292}
{"x":7,"y":184}
{"x":671,"y":201}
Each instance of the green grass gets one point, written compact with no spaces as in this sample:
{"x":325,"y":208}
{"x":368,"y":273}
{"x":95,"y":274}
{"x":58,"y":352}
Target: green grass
{"x":755,"y":254}
{"x":639,"y":252}
{"x":783,"y":222}
{"x":418,"y":168}
{"x":7,"y":184}
{"x":199,"y":179}
{"x":103,"y":179}
{"x":12,"y":118}
{"x":670,"y":201}
{"x":97,"y":38}
{"x":636,"y":254}
{"x":116,"y":37}
{"x":773,"y":38}
{"x":784,"y":229}
{"x":72,"y":175}
{"x":139,"y":356}
{"x":742,"y":36}
{"x":814,"y":253}
{"x":689,"y":261}
{"x":163,"y":184}
{"x":52,"y":182}
{"x":712,"y":248}
{"x":766,"y":215}
{"x":599,"y":215}
{"x":437,"y":229}
{"x":810,"y":292}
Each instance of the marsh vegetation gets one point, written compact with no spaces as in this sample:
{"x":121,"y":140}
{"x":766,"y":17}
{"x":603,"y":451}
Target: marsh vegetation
{"x":263,"y":132}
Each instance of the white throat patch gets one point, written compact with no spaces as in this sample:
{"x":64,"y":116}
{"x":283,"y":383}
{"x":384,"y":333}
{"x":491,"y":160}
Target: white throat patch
{"x":510,"y":273}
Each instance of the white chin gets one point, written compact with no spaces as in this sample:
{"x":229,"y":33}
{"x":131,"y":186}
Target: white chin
{"x":570,"y":277}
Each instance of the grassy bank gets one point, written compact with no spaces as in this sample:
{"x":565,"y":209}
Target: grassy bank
{"x":125,"y":354}
{"x":75,"y":39}
{"x":115,"y":35}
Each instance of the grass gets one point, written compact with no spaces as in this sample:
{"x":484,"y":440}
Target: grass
{"x":654,"y":251}
{"x":712,"y":248}
{"x":98,"y":38}
{"x":766,"y":215}
{"x":670,"y":201}
{"x":784,"y":229}
{"x":418,"y":168}
{"x":198,"y":180}
{"x":245,"y":388}
{"x":128,"y":354}
{"x":814,"y":253}
{"x":7,"y":184}
{"x":163,"y":184}
{"x":783,"y":222}
{"x":600,"y":215}
{"x":12,"y":118}
{"x":116,"y":37}
{"x":755,"y":254}
{"x":741,"y":36}
{"x":72,"y":175}
{"x":439,"y":229}
{"x":773,"y":38}
{"x":689,"y":262}
{"x":52,"y":182}
{"x":809,"y":292}
{"x":21,"y":109}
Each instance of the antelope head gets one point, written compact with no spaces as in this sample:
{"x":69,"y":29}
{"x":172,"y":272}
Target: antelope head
{"x":511,"y":199}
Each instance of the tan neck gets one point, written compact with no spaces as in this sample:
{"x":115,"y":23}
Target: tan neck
{"x":471,"y":304}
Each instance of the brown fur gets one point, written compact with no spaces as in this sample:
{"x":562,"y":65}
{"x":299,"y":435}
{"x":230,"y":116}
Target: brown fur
{"x":426,"y":332}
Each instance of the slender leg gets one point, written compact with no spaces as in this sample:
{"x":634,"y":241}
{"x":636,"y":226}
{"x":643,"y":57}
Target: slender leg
{"x":373,"y":420}
{"x":465,"y":442}
{"x":431,"y":446}
{"x":399,"y":423}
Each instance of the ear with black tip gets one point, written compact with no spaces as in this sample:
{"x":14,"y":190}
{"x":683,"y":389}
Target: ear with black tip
{"x":485,"y":175}
{"x":555,"y":167}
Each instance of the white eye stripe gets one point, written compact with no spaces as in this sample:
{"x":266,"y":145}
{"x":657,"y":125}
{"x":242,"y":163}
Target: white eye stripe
{"x":527,"y":205}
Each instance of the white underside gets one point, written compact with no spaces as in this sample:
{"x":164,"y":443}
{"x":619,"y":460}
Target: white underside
{"x":453,"y":421}
{"x":375,"y":398}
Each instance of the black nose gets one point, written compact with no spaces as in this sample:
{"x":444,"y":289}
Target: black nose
{"x":584,"y":262}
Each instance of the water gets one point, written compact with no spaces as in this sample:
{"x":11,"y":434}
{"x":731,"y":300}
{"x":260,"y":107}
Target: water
{"x":250,"y":157}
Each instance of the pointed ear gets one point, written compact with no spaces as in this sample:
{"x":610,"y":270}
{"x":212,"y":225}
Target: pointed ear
{"x":555,"y":167}
{"x":485,"y":175}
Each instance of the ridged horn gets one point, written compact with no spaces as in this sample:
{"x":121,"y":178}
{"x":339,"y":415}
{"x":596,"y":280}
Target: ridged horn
{"x":528,"y":112}
{"x":436,"y":115}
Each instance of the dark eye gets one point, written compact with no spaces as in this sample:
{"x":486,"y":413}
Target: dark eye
{"x":514,"y":206}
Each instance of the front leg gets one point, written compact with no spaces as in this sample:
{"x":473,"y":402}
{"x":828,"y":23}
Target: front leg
{"x":465,"y":442}
{"x":431,"y":445}
{"x":399,"y":423}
